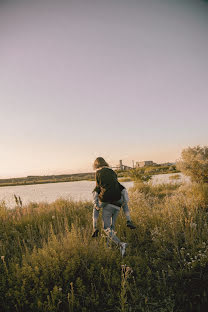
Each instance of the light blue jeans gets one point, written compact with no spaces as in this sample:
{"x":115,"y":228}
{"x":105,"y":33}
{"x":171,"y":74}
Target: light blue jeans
{"x":123,"y":202}
{"x":110,"y":214}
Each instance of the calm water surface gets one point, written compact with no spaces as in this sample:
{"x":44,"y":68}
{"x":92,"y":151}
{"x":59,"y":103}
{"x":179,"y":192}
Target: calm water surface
{"x":80,"y":190}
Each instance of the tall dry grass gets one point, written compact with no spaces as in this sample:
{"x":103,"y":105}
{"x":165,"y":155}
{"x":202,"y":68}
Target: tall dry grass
{"x":49,"y":262}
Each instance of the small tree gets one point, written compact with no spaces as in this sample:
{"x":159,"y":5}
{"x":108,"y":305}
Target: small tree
{"x":139,"y":175}
{"x":194,"y":163}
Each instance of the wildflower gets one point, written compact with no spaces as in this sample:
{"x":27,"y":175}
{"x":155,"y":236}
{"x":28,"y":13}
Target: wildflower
{"x":60,"y":289}
{"x":129,"y":270}
{"x":126,"y":269}
{"x":193,"y":225}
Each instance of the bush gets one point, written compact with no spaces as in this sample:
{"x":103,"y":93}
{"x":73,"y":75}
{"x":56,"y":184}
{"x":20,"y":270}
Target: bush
{"x":139,"y":175}
{"x":194,"y":163}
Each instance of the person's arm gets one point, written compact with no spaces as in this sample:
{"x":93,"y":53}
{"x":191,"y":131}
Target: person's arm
{"x":124,"y":194}
{"x":96,"y":193}
{"x":96,"y":201}
{"x":97,"y":180}
{"x":97,"y":189}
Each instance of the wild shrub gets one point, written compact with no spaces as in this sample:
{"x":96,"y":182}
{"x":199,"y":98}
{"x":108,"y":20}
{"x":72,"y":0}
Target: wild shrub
{"x":194,"y":163}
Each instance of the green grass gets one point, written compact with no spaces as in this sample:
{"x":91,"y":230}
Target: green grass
{"x":175,"y":177}
{"x":125,"y":179}
{"x":49,"y":262}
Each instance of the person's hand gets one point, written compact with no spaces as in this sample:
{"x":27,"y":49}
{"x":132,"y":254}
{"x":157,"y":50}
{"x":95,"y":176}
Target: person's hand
{"x":97,"y":208}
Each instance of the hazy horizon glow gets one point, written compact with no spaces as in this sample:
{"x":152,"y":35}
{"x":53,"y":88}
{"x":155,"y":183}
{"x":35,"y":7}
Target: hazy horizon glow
{"x":81,"y":79}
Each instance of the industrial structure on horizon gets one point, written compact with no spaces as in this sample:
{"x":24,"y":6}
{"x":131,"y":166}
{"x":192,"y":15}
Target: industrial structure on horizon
{"x":144,"y":163}
{"x":138,"y":164}
{"x":122,"y":167}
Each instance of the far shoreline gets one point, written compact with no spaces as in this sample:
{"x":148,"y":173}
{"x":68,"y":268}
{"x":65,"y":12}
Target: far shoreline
{"x":35,"y":180}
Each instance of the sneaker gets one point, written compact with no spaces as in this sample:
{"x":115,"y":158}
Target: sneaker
{"x":95,"y":233}
{"x":123,"y":249}
{"x":131,"y":225}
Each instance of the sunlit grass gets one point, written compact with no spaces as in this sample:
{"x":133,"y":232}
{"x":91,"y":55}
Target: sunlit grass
{"x":49,"y":262}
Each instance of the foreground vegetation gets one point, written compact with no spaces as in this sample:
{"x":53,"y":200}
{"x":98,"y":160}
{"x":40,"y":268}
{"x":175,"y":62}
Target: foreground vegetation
{"x":194,"y":163}
{"x":49,"y":262}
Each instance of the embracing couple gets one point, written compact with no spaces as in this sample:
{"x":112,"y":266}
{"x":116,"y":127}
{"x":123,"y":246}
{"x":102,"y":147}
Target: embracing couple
{"x":109,"y":195}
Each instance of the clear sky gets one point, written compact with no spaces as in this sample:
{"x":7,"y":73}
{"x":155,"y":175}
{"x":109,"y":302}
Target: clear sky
{"x":115,"y":78}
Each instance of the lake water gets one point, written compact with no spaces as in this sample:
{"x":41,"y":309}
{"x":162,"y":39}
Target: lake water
{"x":80,"y":190}
{"x":166,"y":178}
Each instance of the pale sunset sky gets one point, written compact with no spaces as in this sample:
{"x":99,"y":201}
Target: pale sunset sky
{"x":113,"y":78}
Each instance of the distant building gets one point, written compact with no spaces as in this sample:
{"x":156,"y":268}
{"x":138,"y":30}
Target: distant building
{"x":145,"y":163}
{"x":126,"y":167}
{"x":121,"y":166}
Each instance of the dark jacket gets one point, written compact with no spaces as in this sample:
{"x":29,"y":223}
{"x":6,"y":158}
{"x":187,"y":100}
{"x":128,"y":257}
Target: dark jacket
{"x":107,"y":185}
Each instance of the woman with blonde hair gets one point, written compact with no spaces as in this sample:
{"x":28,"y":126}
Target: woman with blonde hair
{"x":110,"y":195}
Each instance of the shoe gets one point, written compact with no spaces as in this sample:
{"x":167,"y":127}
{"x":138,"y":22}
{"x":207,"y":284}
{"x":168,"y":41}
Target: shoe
{"x":95,"y":233}
{"x":123,"y":249}
{"x":130,"y":225}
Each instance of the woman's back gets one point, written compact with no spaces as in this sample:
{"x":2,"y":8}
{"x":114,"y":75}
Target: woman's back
{"x":108,"y":185}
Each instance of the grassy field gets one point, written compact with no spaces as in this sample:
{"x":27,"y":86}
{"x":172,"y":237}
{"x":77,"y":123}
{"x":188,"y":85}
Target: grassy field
{"x":49,"y":262}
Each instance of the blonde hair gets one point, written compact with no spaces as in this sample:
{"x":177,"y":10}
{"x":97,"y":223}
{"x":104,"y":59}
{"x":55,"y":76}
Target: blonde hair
{"x":100,"y":162}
